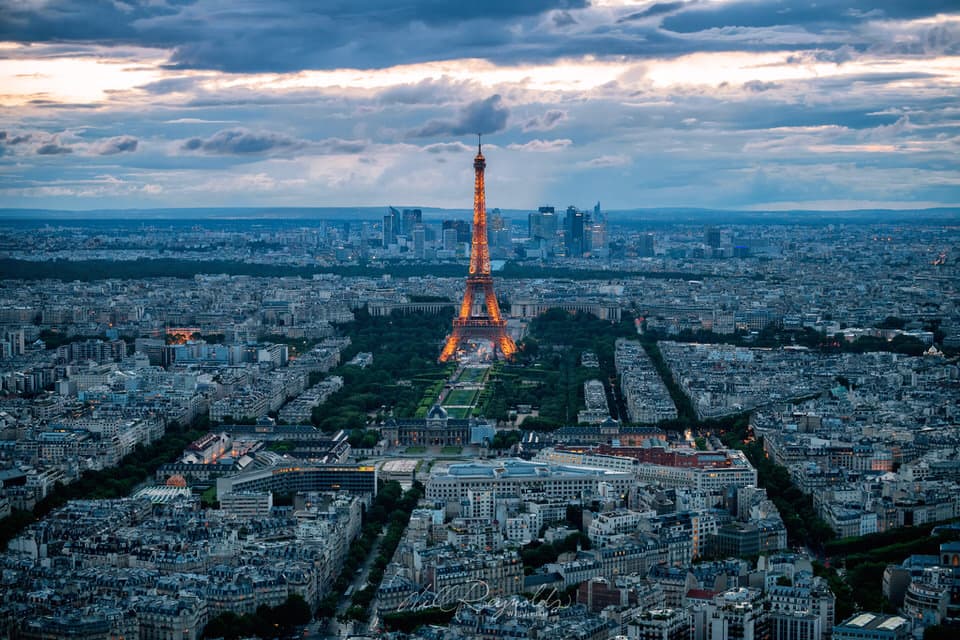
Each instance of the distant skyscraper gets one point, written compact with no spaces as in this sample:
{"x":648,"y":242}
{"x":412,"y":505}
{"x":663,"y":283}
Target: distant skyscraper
{"x":548,"y":223}
{"x":542,"y":224}
{"x":449,"y":239}
{"x":499,"y":231}
{"x":533,"y":225}
{"x":712,"y":236}
{"x":391,"y":226}
{"x":462,"y":227}
{"x":586,"y":245}
{"x":598,"y":230}
{"x":411,"y":218}
{"x":573,"y":232}
{"x":388,"y":237}
{"x":598,"y":237}
{"x":646,"y":248}
{"x":419,"y":241}
{"x":496,"y":220}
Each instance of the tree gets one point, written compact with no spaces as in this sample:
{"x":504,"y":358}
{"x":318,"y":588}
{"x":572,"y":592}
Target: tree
{"x":893,"y":322}
{"x":505,"y":439}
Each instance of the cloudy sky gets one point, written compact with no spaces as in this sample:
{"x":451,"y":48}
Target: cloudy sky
{"x":833,"y":104}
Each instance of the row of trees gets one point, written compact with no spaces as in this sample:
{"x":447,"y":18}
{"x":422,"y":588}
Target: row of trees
{"x":266,"y":622}
{"x":396,"y":524}
{"x":408,"y":621}
{"x":363,"y":438}
{"x":776,"y":336}
{"x":392,"y":508}
{"x":866,"y":558}
{"x":536,"y":553}
{"x":549,"y":361}
{"x":405,"y":349}
{"x":53,"y":339}
{"x":804,"y":526}
{"x":88,"y":270}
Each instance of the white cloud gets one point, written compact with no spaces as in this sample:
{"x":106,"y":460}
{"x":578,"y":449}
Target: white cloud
{"x":605,"y":161}
{"x":542,"y":145}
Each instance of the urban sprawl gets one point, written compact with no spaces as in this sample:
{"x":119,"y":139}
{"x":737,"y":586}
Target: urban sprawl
{"x":710,"y":431}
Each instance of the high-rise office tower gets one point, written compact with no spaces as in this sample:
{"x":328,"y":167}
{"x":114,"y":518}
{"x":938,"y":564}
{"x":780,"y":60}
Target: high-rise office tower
{"x":542,"y":224}
{"x":462,"y":227}
{"x":411,"y":218}
{"x":646,"y":248}
{"x":496,"y":220}
{"x":391,"y":226}
{"x":573,"y":232}
{"x":712,"y":237}
{"x":419,"y":241}
{"x":598,"y":237}
{"x":450,"y":239}
{"x":548,"y":223}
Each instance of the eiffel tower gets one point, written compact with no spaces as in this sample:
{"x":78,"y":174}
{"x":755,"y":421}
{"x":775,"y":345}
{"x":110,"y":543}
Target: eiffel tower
{"x":479,"y":317}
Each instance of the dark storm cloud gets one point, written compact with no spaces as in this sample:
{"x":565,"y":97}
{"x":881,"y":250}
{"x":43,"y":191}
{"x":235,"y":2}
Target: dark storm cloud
{"x":291,"y":35}
{"x":427,"y":91}
{"x":20,"y":139}
{"x":282,"y":35}
{"x":117,"y":144}
{"x":338,"y":145}
{"x":53,"y":149}
{"x":759,"y":85}
{"x":244,"y":142}
{"x":78,"y":20}
{"x":240,"y":141}
{"x":545,"y":121}
{"x":658,"y":9}
{"x":481,"y":116}
{"x":812,"y":15}
{"x":563,"y":19}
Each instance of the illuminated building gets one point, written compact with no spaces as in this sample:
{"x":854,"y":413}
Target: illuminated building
{"x":516,"y":477}
{"x":479,"y":317}
{"x":303,"y":477}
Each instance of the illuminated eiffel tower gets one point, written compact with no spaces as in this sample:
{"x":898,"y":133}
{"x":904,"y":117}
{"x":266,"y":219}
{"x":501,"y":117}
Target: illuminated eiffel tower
{"x":479,"y":317}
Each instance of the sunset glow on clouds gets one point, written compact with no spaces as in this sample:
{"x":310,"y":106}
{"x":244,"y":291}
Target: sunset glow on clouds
{"x":736,"y":104}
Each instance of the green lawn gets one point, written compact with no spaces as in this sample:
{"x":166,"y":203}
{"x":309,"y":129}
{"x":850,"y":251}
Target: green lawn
{"x":461,"y":398}
{"x":416,"y":449}
{"x":475,"y":375}
{"x":451,"y":450}
{"x":458,"y":413}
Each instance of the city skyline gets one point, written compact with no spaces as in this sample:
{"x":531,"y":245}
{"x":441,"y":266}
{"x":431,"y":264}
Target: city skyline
{"x":726,"y":105}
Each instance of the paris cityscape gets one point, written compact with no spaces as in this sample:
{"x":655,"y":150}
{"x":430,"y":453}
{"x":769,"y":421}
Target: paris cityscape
{"x":591,"y":320}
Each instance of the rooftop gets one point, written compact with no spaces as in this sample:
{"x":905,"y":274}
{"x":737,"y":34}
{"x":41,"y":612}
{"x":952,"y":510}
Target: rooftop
{"x":874,"y":621}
